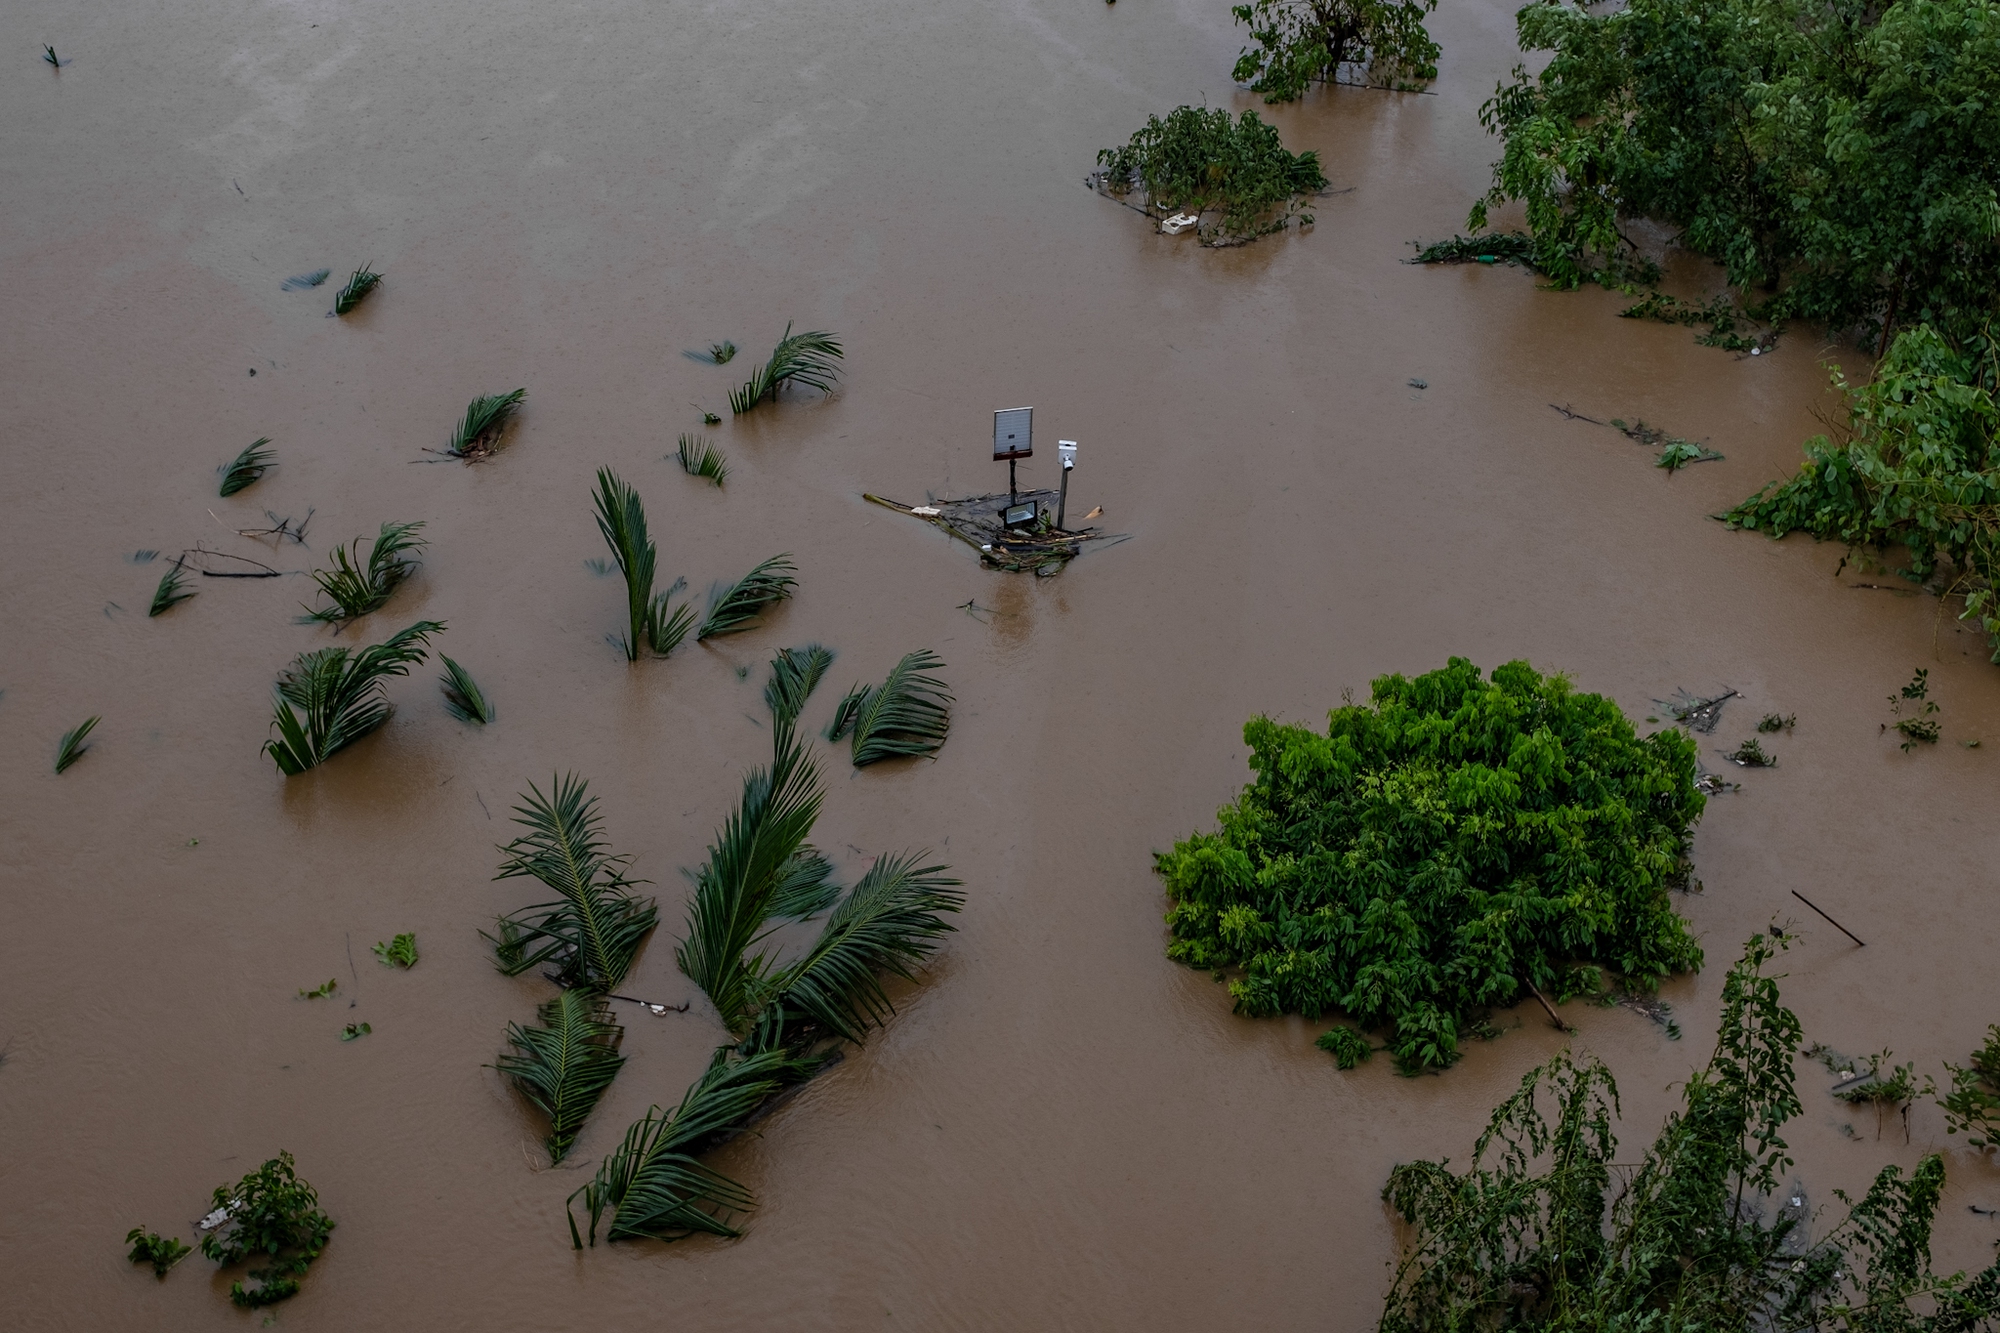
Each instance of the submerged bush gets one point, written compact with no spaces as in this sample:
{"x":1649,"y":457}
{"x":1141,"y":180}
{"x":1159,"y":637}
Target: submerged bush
{"x":1303,"y":42}
{"x":1234,"y":176}
{"x":1438,"y":850}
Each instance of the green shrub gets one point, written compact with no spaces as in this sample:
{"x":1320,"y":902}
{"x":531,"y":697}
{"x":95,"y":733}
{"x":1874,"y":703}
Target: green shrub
{"x":1303,"y":42}
{"x":1347,"y":1047}
{"x":273,"y":1214}
{"x":1437,"y":850}
{"x":1234,"y":175}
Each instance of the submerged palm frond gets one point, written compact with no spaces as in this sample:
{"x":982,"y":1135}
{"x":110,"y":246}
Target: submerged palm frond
{"x":795,"y":674}
{"x":173,"y":589}
{"x":802,"y":358}
{"x":653,"y":1186}
{"x":805,"y":887}
{"x":654,"y":619}
{"x":248,"y":466}
{"x":908,"y":714}
{"x":463,"y":698}
{"x":71,"y":747}
{"x":300,"y":282}
{"x":594,"y":929}
{"x":331,"y":698}
{"x":700,"y":458}
{"x":735,"y":888}
{"x":478,"y":433}
{"x":564,"y":1065}
{"x":721,"y":353}
{"x":735,"y":607}
{"x":356,"y":589}
{"x":888,"y":923}
{"x":363,"y":282}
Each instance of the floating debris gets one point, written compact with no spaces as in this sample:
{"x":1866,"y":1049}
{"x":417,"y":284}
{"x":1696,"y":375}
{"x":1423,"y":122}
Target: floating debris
{"x":1694,"y":712}
{"x":1713,"y":784}
{"x":978,"y":521}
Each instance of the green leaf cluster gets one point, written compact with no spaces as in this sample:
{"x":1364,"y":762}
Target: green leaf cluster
{"x":1297,"y":43}
{"x":563,"y":1066}
{"x":905,"y":716}
{"x":652,"y":617}
{"x":1235,"y":175}
{"x":330,"y":698}
{"x":1844,"y":155}
{"x":1538,"y":1233}
{"x":1438,"y":850}
{"x":799,"y":358}
{"x":162,"y":1252}
{"x":355,"y":588}
{"x":1919,"y":468}
{"x":1972,"y":1107}
{"x":272,"y":1214}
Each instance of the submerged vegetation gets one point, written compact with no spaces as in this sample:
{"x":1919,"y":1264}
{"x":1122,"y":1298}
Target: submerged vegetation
{"x":463,"y":698}
{"x":270,"y":1215}
{"x":735,"y":607}
{"x":354,"y":588}
{"x":398,"y":952}
{"x":363,"y":281}
{"x":785,"y":1018}
{"x":486,"y":417}
{"x":651,"y":618}
{"x":564,"y":1065}
{"x":906,"y":715}
{"x":330,"y":698}
{"x":1972,"y":1106}
{"x":173,"y":589}
{"x":1233,"y":177}
{"x":247,"y":467}
{"x":700,"y":458}
{"x":162,"y":1252}
{"x":1546,"y":1230}
{"x":799,"y":358}
{"x":1452,"y":846}
{"x":1298,"y":43}
{"x":71,"y":747}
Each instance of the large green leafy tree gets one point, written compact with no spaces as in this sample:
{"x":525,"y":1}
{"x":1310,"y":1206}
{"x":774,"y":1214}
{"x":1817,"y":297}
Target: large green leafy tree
{"x":1438,"y":851}
{"x":1839,"y":155}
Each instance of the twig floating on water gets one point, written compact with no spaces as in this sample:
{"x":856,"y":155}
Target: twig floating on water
{"x":1830,"y":921}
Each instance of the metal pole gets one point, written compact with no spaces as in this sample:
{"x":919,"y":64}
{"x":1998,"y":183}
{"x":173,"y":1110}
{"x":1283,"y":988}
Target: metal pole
{"x":1062,"y":501}
{"x":1011,"y":496}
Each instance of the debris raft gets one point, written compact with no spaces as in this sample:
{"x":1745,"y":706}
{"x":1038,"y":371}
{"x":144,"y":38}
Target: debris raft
{"x":978,"y":522}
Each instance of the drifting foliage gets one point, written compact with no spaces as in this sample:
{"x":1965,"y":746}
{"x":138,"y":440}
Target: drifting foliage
{"x":1302,"y":42}
{"x":162,"y":1252}
{"x":172,"y":591}
{"x":398,"y":952}
{"x":1438,"y":851}
{"x":799,"y":358}
{"x":356,"y":589}
{"x":463,"y":698}
{"x":1506,"y":247}
{"x":1972,"y":1107}
{"x":247,"y":467}
{"x":363,"y":281}
{"x":478,"y":432}
{"x":906,"y":715}
{"x":621,"y":517}
{"x":330,"y":698}
{"x":1234,"y":176}
{"x":594,"y":929}
{"x":564,"y":1066}
{"x":1845,"y":156}
{"x":700,"y":458}
{"x":1538,"y":1234}
{"x":733,"y":608}
{"x":273,"y":1214}
{"x":71,"y":747}
{"x":1919,"y":468}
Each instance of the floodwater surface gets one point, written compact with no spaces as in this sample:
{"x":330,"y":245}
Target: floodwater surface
{"x":1059,"y":1129}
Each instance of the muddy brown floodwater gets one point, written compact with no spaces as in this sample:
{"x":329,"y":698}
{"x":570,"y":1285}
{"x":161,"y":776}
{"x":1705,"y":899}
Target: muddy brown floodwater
{"x":1060,"y":1129}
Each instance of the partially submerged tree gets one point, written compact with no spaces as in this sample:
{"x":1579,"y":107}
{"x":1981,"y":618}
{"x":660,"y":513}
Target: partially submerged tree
{"x":332,"y":697}
{"x":273,"y":1216}
{"x":1382,"y":43}
{"x":1454,"y":845}
{"x":1546,"y":1231}
{"x":1234,"y":177}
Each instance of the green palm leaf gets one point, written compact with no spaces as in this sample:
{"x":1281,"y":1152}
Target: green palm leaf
{"x":356,"y":589}
{"x":172,"y":590}
{"x":736,"y":607}
{"x":593,"y":931}
{"x":247,"y":467}
{"x":486,"y":416}
{"x":330,"y":698}
{"x":889,"y":922}
{"x":564,"y":1065}
{"x":653,"y":1186}
{"x":700,"y":458}
{"x":71,"y":747}
{"x":363,"y":281}
{"x":908,"y":714}
{"x":803,"y":358}
{"x":795,"y":674}
{"x":463,"y":698}
{"x":734,"y":889}
{"x":805,"y":887}
{"x":654,"y":620}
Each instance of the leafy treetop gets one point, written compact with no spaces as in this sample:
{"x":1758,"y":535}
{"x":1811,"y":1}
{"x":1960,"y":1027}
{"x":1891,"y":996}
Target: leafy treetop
{"x":1234,"y":175}
{"x":1302,"y":42}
